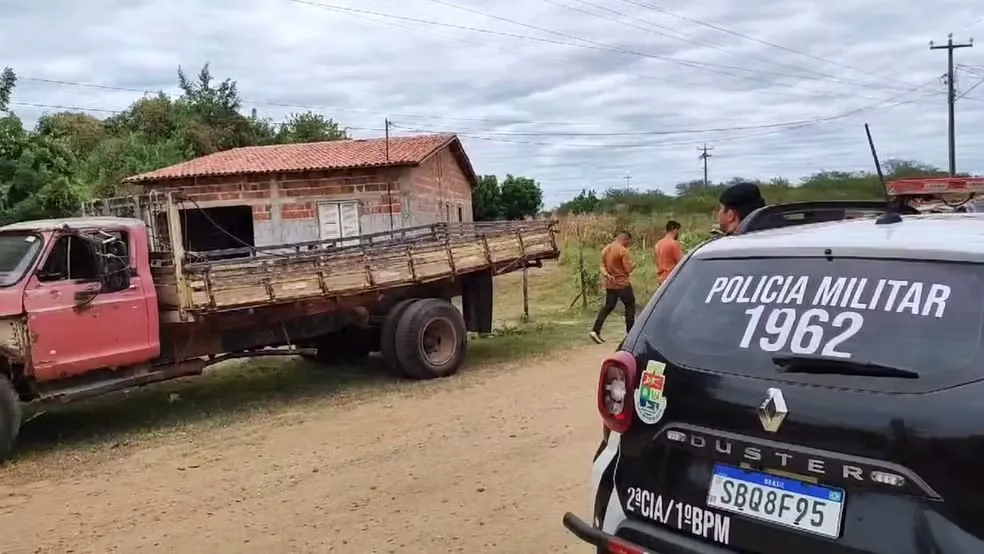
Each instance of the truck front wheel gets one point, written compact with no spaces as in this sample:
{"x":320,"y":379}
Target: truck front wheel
{"x":10,"y":417}
{"x":430,"y":339}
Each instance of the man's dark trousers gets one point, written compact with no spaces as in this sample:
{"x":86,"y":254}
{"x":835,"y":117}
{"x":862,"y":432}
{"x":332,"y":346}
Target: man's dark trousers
{"x":612,"y":297}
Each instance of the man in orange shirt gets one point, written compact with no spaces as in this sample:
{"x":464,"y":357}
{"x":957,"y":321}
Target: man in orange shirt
{"x":616,"y":265}
{"x":668,"y":251}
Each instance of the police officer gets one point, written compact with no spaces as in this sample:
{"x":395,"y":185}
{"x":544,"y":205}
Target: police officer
{"x":734,"y":205}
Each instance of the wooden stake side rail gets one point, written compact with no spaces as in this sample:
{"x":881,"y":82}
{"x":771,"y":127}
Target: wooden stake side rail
{"x":444,"y":251}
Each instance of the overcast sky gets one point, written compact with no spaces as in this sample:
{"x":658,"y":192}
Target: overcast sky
{"x":575,"y":93}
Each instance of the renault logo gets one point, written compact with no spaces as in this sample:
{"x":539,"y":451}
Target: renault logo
{"x":772,"y":410}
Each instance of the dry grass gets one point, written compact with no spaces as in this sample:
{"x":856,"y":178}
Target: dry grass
{"x":551,"y":290}
{"x":598,"y":229}
{"x":583,"y":236}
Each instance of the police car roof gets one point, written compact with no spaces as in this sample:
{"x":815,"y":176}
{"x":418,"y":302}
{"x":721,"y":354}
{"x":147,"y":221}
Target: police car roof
{"x":957,"y":237}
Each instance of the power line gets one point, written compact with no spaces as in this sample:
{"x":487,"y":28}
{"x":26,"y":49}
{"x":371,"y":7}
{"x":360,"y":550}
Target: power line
{"x":973,"y":24}
{"x":776,"y":128}
{"x":975,"y":71}
{"x":593,"y":45}
{"x":318,"y":108}
{"x":951,"y":97}
{"x":68,"y":108}
{"x":755,"y":39}
{"x":793,"y":123}
{"x":686,"y":63}
{"x":395,"y":127}
{"x":380,"y":18}
{"x":300,"y":106}
{"x":686,"y":38}
{"x":972,"y":87}
{"x":484,"y":136}
{"x":62,"y":107}
{"x":710,"y":66}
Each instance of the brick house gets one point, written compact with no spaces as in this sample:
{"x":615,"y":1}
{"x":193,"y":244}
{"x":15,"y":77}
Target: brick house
{"x":268,"y":195}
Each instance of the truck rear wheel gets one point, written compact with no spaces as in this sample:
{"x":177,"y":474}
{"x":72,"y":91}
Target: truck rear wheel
{"x":10,"y":417}
{"x":387,"y":337}
{"x":430,"y":339}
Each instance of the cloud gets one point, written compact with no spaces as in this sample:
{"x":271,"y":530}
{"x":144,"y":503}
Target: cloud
{"x":576,"y":93}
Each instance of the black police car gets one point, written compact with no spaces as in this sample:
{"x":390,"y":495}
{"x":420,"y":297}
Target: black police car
{"x":812,"y":385}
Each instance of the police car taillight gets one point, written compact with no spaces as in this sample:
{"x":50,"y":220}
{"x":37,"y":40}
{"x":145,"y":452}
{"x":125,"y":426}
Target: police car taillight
{"x":617,"y":546}
{"x":935,"y":185}
{"x":616,"y":385}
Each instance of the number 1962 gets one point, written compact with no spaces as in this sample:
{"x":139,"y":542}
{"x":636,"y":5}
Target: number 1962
{"x":801,"y":332}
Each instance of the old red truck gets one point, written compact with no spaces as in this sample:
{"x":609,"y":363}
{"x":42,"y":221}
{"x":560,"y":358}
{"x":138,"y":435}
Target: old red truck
{"x":96,"y":304}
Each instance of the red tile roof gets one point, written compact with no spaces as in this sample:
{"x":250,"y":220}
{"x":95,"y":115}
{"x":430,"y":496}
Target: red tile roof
{"x":312,"y":156}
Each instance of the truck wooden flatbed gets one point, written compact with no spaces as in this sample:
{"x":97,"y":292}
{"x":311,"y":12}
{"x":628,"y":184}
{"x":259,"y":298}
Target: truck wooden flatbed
{"x":114,"y":300}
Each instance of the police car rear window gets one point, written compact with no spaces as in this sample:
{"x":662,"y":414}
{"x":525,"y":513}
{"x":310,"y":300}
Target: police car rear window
{"x":736,"y":315}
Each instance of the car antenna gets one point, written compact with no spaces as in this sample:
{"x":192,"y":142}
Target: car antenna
{"x":890,"y":215}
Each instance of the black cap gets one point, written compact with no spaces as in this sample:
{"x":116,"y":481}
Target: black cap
{"x":743,"y":198}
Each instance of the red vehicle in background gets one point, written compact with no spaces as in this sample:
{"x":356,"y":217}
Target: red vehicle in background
{"x":92,"y":305}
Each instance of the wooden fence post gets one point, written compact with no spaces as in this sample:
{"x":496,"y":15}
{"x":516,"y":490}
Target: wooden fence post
{"x":580,"y":261}
{"x":526,"y":294}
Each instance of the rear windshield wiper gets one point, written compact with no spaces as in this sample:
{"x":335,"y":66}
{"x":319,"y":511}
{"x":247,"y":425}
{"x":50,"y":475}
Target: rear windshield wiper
{"x":835,"y":366}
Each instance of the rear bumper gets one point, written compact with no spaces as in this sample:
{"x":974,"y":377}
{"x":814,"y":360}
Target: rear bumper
{"x":663,"y":541}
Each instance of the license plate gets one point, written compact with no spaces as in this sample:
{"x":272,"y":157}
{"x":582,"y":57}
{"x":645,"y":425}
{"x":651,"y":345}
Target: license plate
{"x":786,"y":502}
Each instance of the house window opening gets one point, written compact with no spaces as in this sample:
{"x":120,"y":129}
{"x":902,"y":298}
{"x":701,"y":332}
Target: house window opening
{"x":218,"y":228}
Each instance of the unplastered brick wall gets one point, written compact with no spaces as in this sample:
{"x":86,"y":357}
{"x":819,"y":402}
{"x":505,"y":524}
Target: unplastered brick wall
{"x":285,"y":206}
{"x":436,"y":185}
{"x":215,"y":191}
{"x":375,"y":190}
{"x":261,"y":212}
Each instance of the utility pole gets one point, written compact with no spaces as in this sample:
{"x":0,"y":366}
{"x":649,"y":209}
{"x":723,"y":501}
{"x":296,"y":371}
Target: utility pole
{"x":387,"y":140}
{"x":389,"y":186}
{"x":951,"y":96}
{"x":703,"y":156}
{"x":628,"y":179}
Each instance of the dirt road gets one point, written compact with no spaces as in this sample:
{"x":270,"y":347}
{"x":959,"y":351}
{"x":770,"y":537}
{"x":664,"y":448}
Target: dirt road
{"x":484,"y":462}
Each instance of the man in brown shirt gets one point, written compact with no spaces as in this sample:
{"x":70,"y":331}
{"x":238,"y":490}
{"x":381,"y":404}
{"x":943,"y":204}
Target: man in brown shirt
{"x":668,"y":251}
{"x":616,"y":265}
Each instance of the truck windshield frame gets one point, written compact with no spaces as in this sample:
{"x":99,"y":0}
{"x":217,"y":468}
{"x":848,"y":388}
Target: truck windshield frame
{"x":19,"y":251}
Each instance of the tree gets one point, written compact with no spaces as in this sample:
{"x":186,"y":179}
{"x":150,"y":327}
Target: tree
{"x":39,"y":181}
{"x":486,"y":198}
{"x":693,"y":197}
{"x":70,"y":157}
{"x":11,"y":130}
{"x":690,"y":186}
{"x":310,"y":127}
{"x":521,"y":197}
{"x":81,"y":132}
{"x":586,"y":201}
{"x":7,"y":82}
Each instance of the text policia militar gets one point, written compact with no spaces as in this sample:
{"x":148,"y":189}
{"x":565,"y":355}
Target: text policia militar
{"x":857,"y":293}
{"x":819,"y":315}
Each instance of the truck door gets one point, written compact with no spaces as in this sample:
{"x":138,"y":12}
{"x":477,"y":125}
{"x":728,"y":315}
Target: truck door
{"x":79,"y":322}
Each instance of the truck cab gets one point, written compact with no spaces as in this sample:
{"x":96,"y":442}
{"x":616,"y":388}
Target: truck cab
{"x":76,"y":295}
